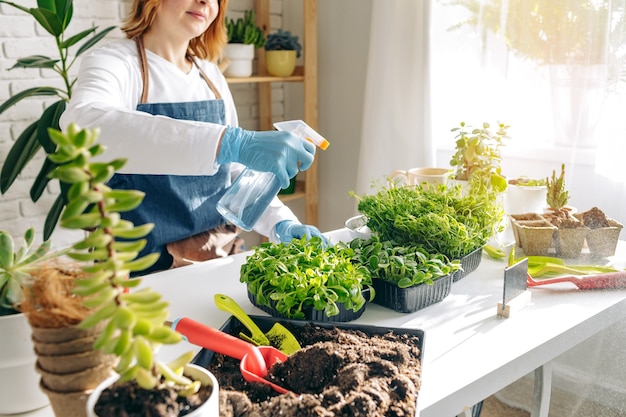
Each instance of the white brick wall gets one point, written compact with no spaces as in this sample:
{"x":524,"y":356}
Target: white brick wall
{"x":21,"y":36}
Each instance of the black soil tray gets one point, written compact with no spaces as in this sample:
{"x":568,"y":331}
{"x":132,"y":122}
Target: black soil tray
{"x":469,"y":263}
{"x":311,"y":314}
{"x":411,"y":299}
{"x":328,"y":374}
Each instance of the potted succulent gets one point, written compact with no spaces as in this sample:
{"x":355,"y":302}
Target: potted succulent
{"x":243,"y":37}
{"x":54,"y":18}
{"x":281,"y":51}
{"x":133,"y":320}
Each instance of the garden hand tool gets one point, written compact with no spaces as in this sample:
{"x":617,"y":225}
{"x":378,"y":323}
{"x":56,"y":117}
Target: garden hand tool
{"x":278,"y":336}
{"x":255,"y":360}
{"x":587,"y":282}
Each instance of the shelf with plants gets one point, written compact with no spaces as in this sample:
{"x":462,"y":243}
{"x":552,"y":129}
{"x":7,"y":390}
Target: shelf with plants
{"x":306,"y":187}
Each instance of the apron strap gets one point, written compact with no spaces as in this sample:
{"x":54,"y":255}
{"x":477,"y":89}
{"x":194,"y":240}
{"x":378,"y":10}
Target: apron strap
{"x":143,"y":63}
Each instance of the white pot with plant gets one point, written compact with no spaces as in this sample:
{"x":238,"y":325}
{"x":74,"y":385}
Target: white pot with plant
{"x":282,"y":49}
{"x":525,"y":195}
{"x":243,"y":37}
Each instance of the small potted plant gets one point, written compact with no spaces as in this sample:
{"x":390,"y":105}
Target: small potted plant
{"x":477,"y":157}
{"x":281,"y":51}
{"x":243,"y":37}
{"x":525,"y":195}
{"x":288,"y":281}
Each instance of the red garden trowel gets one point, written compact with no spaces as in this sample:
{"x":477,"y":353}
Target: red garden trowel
{"x":255,"y":360}
{"x":278,"y":335}
{"x":588,"y":282}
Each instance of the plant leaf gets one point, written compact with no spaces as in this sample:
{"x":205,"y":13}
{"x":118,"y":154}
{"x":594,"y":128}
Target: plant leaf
{"x":94,"y":39}
{"x":42,"y":180}
{"x":30,"y":92}
{"x":35,"y":61}
{"x":50,"y":119}
{"x":49,"y":21}
{"x":53,"y":216}
{"x":20,"y":153}
{"x":77,"y":38}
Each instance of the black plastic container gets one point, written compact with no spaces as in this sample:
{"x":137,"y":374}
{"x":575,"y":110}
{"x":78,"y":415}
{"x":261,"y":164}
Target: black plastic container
{"x":234,"y":327}
{"x":310,"y":314}
{"x":469,"y":263}
{"x":411,"y":299}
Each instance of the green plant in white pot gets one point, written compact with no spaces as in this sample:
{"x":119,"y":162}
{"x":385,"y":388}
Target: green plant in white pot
{"x":54,"y":17}
{"x":243,"y":37}
{"x":135,"y":319}
{"x":281,"y":51}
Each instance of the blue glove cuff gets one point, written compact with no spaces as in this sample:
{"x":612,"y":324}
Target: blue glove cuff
{"x":231,"y":144}
{"x":282,"y":230}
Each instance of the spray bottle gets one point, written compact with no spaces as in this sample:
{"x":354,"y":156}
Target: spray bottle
{"x":253,"y":191}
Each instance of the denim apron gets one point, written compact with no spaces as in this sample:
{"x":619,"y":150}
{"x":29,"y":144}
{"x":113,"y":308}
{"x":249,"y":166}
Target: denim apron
{"x":182,"y":208}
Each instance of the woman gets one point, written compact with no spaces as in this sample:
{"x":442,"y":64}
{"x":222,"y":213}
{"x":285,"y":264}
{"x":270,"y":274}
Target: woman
{"x":160,"y":101}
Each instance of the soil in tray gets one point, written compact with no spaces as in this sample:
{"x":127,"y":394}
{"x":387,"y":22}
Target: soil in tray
{"x":338,"y":372}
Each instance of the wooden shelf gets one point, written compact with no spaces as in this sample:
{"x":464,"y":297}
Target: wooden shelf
{"x":297,"y":194}
{"x":307,"y":75}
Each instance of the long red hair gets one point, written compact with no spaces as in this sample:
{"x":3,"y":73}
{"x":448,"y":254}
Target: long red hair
{"x":209,"y":45}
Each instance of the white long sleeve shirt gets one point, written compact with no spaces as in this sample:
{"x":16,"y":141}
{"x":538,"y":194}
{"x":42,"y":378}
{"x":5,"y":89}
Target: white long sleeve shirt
{"x":106,"y":94}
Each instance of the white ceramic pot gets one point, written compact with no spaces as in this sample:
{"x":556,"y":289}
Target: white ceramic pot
{"x":19,"y":382}
{"x":211,"y":408}
{"x":521,"y":199}
{"x":240,"y":57}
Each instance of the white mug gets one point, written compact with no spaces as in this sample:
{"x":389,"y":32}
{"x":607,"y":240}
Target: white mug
{"x":416,"y":176}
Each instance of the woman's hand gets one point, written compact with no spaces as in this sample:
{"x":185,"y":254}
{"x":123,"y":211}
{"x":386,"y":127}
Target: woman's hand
{"x":279,"y":152}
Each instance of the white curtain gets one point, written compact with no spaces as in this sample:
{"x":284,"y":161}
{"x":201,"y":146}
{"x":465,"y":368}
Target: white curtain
{"x":396,"y":121}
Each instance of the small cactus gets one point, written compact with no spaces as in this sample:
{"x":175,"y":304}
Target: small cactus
{"x":556,"y":195}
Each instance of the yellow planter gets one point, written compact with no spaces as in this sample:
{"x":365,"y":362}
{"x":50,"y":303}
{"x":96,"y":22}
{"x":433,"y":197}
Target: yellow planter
{"x":280,"y":63}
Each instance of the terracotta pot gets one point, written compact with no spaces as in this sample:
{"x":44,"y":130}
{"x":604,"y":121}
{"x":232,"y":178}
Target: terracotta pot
{"x":209,"y":409}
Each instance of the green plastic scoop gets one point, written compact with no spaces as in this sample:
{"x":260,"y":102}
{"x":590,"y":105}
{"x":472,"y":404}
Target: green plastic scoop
{"x":278,"y":336}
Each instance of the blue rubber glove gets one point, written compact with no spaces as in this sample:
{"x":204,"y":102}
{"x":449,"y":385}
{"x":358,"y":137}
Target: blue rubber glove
{"x":279,"y":152}
{"x":287,"y":230}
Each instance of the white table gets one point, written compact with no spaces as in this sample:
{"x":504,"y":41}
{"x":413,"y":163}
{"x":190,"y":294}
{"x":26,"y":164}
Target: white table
{"x":469,"y":352}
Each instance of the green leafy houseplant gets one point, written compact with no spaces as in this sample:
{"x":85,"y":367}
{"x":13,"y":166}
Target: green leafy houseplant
{"x":304,"y":274}
{"x":443,"y":219}
{"x":283,"y":41}
{"x":244,"y":30}
{"x":54,"y":17}
{"x":477,"y":156}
